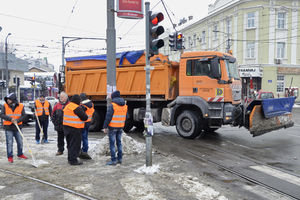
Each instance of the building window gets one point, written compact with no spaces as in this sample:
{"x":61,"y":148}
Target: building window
{"x":215,"y":32}
{"x":250,"y":49}
{"x":190,"y":42}
{"x":203,"y":37}
{"x":228,"y":26}
{"x":280,"y":83}
{"x":280,"y":49}
{"x":250,"y":20}
{"x":194,"y":40}
{"x":281,"y":17}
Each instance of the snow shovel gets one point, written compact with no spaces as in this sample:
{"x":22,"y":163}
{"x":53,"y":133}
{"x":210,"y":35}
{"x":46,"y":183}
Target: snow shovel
{"x":34,"y":163}
{"x":37,"y":119}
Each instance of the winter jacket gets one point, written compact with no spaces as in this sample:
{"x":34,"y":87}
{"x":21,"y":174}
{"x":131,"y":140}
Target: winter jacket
{"x":57,"y":116}
{"x":13,"y":106}
{"x":88,"y":104}
{"x":110,"y":111}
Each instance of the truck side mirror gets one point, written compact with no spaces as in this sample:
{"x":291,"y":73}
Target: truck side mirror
{"x":215,"y":69}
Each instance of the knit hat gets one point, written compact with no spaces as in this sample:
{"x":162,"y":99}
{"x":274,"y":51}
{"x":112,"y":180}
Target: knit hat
{"x":83,"y":96}
{"x":76,"y":99}
{"x":115,"y":94}
{"x":11,"y":96}
{"x":42,"y":95}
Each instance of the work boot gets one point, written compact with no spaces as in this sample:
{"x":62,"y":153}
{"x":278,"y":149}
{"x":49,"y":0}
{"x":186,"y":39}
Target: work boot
{"x":59,"y":153}
{"x":119,"y":161}
{"x":37,"y":142}
{"x":23,"y":156}
{"x":111,"y":163}
{"x":10,"y":159}
{"x":76,"y":163}
{"x":84,"y":155}
{"x":46,"y":141}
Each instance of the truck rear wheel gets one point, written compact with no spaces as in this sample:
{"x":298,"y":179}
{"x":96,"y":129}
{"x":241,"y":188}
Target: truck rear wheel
{"x":188,"y":125}
{"x":140,"y":127}
{"x":97,"y":121}
{"x":128,"y":125}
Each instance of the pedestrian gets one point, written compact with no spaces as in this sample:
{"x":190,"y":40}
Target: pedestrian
{"x":12,"y":112}
{"x":57,"y":120}
{"x":113,"y":125}
{"x":73,"y":123}
{"x":42,"y":109}
{"x":89,"y":106}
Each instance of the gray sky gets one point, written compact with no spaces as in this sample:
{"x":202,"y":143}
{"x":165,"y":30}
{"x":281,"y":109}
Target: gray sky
{"x":37,"y":26}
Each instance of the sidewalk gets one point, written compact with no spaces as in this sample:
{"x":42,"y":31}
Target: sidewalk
{"x":168,"y":178}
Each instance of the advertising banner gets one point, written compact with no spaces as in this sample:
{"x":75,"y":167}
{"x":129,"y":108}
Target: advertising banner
{"x":130,"y":9}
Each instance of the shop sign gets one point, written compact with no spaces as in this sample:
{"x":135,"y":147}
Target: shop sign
{"x":251,"y":72}
{"x":130,"y":9}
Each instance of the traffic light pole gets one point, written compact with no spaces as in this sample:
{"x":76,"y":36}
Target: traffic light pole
{"x":148,"y":117}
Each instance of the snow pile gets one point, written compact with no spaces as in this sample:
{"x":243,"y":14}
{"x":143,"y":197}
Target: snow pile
{"x":198,"y":189}
{"x":148,"y":170}
{"x":129,"y":146}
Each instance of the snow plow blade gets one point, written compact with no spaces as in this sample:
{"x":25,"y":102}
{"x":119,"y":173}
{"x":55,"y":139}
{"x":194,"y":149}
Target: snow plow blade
{"x":270,"y":114}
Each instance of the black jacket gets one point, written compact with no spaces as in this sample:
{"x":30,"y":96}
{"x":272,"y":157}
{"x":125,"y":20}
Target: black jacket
{"x":58,"y":115}
{"x":7,"y":118}
{"x":110,"y":111}
{"x":44,"y":117}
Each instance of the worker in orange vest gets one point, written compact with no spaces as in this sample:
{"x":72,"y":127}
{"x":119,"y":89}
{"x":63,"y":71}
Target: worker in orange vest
{"x":13,"y":113}
{"x":43,"y":109}
{"x":89,"y":107}
{"x":113,"y":125}
{"x":73,"y":123}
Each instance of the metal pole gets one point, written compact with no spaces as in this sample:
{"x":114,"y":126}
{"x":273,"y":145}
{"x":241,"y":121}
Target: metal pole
{"x":6,"y":65}
{"x":111,"y":50}
{"x":148,"y":116}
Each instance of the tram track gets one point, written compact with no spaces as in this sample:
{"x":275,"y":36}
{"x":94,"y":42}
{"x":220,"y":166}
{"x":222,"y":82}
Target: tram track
{"x":195,"y":153}
{"x":53,"y":185}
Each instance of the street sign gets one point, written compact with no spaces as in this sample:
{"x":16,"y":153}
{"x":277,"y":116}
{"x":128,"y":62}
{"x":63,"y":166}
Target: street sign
{"x":130,"y":9}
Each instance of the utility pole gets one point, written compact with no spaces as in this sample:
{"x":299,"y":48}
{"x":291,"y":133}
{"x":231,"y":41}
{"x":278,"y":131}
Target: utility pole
{"x":6,"y":65}
{"x":148,"y":121}
{"x":111,"y":50}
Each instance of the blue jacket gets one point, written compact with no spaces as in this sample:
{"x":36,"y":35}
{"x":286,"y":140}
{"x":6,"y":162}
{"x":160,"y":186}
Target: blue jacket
{"x":110,"y":111}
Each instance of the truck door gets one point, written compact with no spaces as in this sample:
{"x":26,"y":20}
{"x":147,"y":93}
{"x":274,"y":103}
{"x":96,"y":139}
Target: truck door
{"x":198,"y":78}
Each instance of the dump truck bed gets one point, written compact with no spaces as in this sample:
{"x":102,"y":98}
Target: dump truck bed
{"x":88,"y":75}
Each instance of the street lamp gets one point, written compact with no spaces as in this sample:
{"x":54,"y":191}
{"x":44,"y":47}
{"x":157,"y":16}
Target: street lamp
{"x":6,"y":64}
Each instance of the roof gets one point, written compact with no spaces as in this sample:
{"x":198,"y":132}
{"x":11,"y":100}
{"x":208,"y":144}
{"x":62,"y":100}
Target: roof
{"x":131,"y":56}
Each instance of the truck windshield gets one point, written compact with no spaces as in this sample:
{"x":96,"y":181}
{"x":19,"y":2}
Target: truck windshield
{"x":232,"y":70}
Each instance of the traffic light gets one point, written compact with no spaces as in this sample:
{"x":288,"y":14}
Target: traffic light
{"x":172,"y":41}
{"x":179,"y":41}
{"x":32,"y":80}
{"x":154,"y":31}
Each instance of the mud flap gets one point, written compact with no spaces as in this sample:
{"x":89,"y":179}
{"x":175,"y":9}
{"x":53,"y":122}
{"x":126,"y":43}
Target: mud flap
{"x":259,"y":124}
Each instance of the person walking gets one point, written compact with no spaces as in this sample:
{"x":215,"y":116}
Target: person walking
{"x":113,"y":125}
{"x":73,"y":123}
{"x":89,"y":106}
{"x":43,"y":109}
{"x":57,"y":120}
{"x":12,"y":112}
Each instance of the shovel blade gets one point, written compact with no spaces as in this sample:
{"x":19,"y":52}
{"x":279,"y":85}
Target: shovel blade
{"x":259,"y":125}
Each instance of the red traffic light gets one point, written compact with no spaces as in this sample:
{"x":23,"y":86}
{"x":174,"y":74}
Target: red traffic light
{"x":179,"y":36}
{"x":156,"y":18}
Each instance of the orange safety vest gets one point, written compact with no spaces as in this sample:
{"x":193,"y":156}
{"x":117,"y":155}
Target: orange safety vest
{"x":89,"y":112}
{"x":16,"y":114}
{"x":119,"y":116}
{"x":40,"y":107}
{"x":70,"y":118}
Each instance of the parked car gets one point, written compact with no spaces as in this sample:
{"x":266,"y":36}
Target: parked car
{"x":264,"y":95}
{"x":52,"y":100}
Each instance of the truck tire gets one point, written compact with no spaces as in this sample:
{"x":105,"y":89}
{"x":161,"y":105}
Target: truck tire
{"x":97,"y":121}
{"x":188,"y":125}
{"x":128,"y":125}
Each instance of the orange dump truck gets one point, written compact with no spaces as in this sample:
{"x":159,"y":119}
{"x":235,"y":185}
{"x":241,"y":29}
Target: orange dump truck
{"x":198,"y":95}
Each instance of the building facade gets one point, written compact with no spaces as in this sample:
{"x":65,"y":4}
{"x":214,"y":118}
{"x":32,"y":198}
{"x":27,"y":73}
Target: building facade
{"x":263,"y":35}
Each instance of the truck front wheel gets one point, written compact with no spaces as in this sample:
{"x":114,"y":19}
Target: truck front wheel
{"x":188,"y":125}
{"x":97,"y":121}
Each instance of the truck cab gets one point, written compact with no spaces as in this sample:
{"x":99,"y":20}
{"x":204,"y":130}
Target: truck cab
{"x":209,"y":92}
